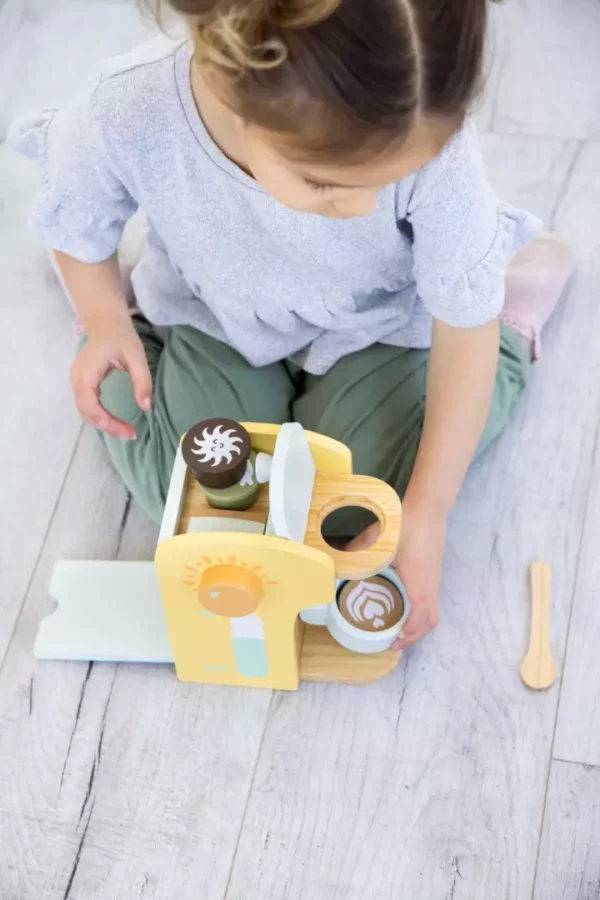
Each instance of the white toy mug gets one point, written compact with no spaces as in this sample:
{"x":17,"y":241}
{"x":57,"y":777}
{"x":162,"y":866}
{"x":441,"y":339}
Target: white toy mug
{"x":349,"y":636}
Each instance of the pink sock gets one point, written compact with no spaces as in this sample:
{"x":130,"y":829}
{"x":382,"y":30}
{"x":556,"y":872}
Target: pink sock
{"x":535,"y":281}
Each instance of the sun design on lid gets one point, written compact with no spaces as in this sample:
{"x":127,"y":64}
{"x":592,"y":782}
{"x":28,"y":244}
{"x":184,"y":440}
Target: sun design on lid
{"x":217,"y":445}
{"x":193,"y":577}
{"x":227,"y":587}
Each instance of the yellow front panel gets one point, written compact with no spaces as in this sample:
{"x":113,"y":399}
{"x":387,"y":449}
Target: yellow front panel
{"x":262,"y":649}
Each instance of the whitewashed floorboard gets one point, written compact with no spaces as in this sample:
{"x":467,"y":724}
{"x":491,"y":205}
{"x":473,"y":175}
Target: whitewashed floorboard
{"x":45,"y":50}
{"x":578,"y":728}
{"x":39,"y":422}
{"x":428,"y":785}
{"x":115,"y":781}
{"x":50,"y":713}
{"x":48,"y":48}
{"x":530,"y":172}
{"x":434,"y":786}
{"x":495,"y":60}
{"x":167,"y":795}
{"x":569,"y":863}
{"x":545,"y":77}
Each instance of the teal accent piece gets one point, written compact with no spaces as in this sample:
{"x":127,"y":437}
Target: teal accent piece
{"x":251,"y":657}
{"x":215,"y":594}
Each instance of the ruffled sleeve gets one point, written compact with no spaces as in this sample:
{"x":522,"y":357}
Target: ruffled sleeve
{"x":28,"y":134}
{"x":463,"y":238}
{"x":83,"y":206}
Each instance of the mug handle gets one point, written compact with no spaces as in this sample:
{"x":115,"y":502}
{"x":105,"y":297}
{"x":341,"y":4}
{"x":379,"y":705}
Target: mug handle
{"x":331,"y":492}
{"x":314,"y":615}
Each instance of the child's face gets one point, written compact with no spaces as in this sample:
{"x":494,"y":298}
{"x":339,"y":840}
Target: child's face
{"x":340,"y":192}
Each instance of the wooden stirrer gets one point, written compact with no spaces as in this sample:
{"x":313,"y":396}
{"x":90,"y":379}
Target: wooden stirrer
{"x":538,"y":669}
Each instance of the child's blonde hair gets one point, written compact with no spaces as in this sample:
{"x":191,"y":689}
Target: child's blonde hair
{"x":338,"y":79}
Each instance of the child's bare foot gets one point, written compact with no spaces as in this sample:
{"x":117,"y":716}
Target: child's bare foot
{"x":535,"y":281}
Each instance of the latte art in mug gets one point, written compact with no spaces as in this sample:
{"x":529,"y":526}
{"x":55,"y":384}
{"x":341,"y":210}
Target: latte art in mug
{"x":372,"y":604}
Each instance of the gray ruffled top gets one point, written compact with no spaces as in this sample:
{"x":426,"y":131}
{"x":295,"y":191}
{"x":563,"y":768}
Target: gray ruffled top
{"x":225,"y":257}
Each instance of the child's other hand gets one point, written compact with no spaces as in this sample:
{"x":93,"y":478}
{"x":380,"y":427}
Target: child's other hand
{"x":110,"y":345}
{"x":418,"y":561}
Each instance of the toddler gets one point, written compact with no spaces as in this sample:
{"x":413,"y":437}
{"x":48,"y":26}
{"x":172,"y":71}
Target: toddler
{"x":323,"y":245}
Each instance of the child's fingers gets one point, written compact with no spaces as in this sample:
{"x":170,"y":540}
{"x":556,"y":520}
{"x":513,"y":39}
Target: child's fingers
{"x":137,"y":366}
{"x":407,"y":640}
{"x":419,"y":623}
{"x":363,"y":540}
{"x":118,"y":428}
{"x":91,"y":410}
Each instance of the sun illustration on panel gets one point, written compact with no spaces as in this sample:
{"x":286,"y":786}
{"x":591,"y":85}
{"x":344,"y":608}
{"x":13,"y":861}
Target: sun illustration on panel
{"x":227,"y":586}
{"x":217,"y":445}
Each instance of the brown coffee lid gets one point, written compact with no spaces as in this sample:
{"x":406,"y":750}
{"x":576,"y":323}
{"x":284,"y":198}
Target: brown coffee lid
{"x":216,"y":450}
{"x":372,"y":604}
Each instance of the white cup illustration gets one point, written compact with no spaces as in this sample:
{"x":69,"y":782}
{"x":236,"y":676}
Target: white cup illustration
{"x":368,"y":605}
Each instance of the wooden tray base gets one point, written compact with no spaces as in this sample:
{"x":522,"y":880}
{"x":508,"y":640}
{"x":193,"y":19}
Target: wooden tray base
{"x":323,"y":659}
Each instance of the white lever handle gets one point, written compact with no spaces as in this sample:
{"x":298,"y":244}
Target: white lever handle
{"x":262,"y":467}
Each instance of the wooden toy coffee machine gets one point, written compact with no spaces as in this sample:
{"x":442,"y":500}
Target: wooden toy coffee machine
{"x":236,"y":567}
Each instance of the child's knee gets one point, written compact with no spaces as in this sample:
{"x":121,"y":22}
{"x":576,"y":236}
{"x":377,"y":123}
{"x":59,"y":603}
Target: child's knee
{"x":145,"y":466}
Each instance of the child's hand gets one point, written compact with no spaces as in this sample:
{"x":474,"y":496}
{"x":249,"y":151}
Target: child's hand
{"x":110,"y":345}
{"x":418,"y":562}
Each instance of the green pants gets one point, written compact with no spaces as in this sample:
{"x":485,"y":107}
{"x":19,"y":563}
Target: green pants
{"x":373,"y":401}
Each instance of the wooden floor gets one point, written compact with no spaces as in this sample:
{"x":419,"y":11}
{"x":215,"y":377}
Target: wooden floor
{"x":449,"y":781}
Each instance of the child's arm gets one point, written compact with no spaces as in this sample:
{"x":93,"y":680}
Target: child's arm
{"x":462,"y":371}
{"x":460,"y":383}
{"x":463,"y":240}
{"x":82,"y":209}
{"x":112,"y":342}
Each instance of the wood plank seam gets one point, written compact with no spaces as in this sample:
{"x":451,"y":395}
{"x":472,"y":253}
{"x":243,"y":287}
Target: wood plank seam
{"x":97,"y":754}
{"x":573,"y":762}
{"x":248,"y":796}
{"x":566,"y":183}
{"x":77,"y":858}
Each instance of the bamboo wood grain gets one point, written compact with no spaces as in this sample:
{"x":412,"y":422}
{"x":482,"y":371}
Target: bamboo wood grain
{"x":538,"y":669}
{"x":333,"y":492}
{"x":323,"y":659}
